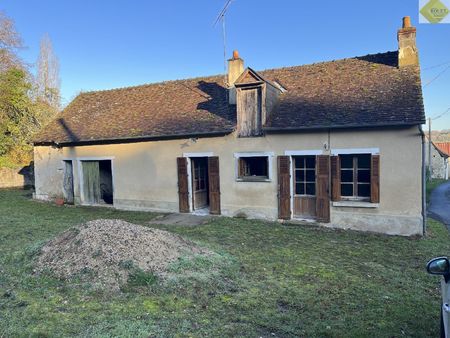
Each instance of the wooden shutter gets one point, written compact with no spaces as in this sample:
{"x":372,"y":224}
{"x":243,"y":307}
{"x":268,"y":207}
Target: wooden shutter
{"x":375,"y":179}
{"x":183,"y":187}
{"x":322,"y":199}
{"x":284,"y":187}
{"x":214,"y":185}
{"x":335,"y":178}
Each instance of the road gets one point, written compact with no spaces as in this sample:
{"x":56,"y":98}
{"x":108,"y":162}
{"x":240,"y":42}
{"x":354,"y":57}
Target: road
{"x":439,"y":207}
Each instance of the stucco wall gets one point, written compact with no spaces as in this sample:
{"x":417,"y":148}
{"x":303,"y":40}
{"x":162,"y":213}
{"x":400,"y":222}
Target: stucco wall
{"x":145,"y":174}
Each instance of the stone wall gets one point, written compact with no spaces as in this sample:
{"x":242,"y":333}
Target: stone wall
{"x":17,"y":178}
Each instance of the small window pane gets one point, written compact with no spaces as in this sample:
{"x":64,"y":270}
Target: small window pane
{"x":364,"y":190}
{"x":299,"y":175}
{"x":310,"y":162}
{"x":299,"y":162}
{"x":364,"y":161}
{"x":255,"y":166}
{"x":346,"y":161}
{"x":299,"y":189}
{"x":310,"y":175}
{"x":310,"y":188}
{"x":346,"y":189}
{"x":346,"y":175}
{"x":364,"y":175}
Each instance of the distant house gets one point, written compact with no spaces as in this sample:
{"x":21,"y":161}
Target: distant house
{"x":440,"y":153}
{"x":336,"y":142}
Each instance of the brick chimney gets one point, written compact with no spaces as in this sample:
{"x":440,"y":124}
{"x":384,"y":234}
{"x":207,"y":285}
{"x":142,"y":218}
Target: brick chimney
{"x":407,"y":49}
{"x":235,"y":69}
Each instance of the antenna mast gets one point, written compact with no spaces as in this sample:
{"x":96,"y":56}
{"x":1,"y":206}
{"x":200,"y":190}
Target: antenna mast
{"x":221,"y":16}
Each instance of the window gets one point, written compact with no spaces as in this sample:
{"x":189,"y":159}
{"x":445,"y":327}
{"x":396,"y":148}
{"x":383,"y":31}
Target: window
{"x":305,"y":175}
{"x":200,"y":174}
{"x":254,"y":168}
{"x":355,"y":176}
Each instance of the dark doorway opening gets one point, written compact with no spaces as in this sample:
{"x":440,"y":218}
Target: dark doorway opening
{"x":97,"y":182}
{"x":106,"y":186}
{"x":200,"y":183}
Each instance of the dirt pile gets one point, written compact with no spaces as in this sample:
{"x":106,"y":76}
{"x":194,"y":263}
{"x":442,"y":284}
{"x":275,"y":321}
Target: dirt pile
{"x":105,"y":252}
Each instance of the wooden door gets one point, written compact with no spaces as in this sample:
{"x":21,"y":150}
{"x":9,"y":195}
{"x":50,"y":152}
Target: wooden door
{"x":68,"y":182}
{"x":249,"y":107}
{"x":183,"y":187}
{"x":199,"y":167}
{"x":214,"y":185}
{"x":304,"y":184}
{"x":91,"y":182}
{"x":284,"y":188}
{"x":322,"y":189}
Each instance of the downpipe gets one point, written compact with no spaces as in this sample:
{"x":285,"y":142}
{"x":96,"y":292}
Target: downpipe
{"x":424,"y":184}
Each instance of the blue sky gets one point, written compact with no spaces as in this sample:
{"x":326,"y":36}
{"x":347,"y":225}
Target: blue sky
{"x":106,"y":44}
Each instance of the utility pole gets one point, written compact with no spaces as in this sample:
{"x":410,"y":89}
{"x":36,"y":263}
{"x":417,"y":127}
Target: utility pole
{"x":429,"y":148}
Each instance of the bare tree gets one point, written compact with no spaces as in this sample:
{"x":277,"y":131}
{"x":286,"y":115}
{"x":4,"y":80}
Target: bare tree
{"x":48,"y":82}
{"x":10,"y":42}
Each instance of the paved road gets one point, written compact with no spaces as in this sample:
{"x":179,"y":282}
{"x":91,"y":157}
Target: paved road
{"x":439,"y":207}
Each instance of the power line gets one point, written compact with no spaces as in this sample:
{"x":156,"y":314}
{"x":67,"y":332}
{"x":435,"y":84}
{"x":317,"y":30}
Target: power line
{"x":440,"y":115}
{"x":437,"y":76}
{"x":436,"y":66}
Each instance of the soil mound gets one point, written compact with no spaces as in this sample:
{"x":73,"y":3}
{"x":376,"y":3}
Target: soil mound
{"x":105,"y":252}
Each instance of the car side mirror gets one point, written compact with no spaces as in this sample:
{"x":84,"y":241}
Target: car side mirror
{"x":439,"y":266}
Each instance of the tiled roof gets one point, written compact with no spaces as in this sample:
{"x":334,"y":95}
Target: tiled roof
{"x":356,"y":92}
{"x":443,"y":147}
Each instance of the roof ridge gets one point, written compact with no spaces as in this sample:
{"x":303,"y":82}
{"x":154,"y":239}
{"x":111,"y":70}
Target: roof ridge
{"x":329,"y":61}
{"x":220,"y":75}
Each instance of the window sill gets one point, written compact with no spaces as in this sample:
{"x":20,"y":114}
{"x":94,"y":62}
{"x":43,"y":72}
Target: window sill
{"x":355,"y":204}
{"x":253,"y":179}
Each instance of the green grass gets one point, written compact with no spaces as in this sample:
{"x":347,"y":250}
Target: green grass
{"x":431,"y":185}
{"x":278,"y":280}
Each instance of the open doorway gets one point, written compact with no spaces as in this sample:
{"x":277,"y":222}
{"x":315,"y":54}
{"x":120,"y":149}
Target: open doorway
{"x":200,"y":183}
{"x":97,"y":182}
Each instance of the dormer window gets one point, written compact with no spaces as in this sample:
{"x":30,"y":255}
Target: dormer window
{"x":249,"y":111}
{"x":255,"y":99}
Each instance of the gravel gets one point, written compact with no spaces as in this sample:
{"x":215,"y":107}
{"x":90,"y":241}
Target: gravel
{"x":104,"y":252}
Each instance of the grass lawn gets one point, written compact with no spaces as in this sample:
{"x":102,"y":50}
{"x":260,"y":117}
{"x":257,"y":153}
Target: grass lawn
{"x":284,"y":281}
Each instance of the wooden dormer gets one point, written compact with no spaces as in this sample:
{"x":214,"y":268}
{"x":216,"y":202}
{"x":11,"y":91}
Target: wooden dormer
{"x":255,"y":98}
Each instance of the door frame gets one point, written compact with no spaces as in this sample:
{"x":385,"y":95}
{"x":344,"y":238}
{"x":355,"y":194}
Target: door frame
{"x":291,"y":154}
{"x":189,"y":174}
{"x":79,"y":182}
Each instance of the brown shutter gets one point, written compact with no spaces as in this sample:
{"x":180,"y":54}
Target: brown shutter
{"x":322,"y":199}
{"x":284,"y":187}
{"x":335,"y":178}
{"x":214,"y":185}
{"x":375,"y":179}
{"x":241,"y":166}
{"x":183,"y":190}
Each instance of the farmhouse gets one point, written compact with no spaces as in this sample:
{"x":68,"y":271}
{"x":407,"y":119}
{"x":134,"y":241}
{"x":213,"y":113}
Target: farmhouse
{"x":339,"y":143}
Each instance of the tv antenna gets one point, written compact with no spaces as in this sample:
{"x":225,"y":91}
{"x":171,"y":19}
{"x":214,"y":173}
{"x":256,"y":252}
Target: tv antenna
{"x":221,"y":17}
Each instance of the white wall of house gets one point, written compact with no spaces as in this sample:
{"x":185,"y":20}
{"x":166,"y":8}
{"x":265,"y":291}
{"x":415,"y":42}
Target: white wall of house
{"x":145,"y":175}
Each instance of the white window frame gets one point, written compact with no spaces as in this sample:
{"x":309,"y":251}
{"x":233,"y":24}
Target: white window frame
{"x":355,"y":202}
{"x":355,"y":151}
{"x":291,"y":153}
{"x":188,"y":156}
{"x":269,"y":156}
